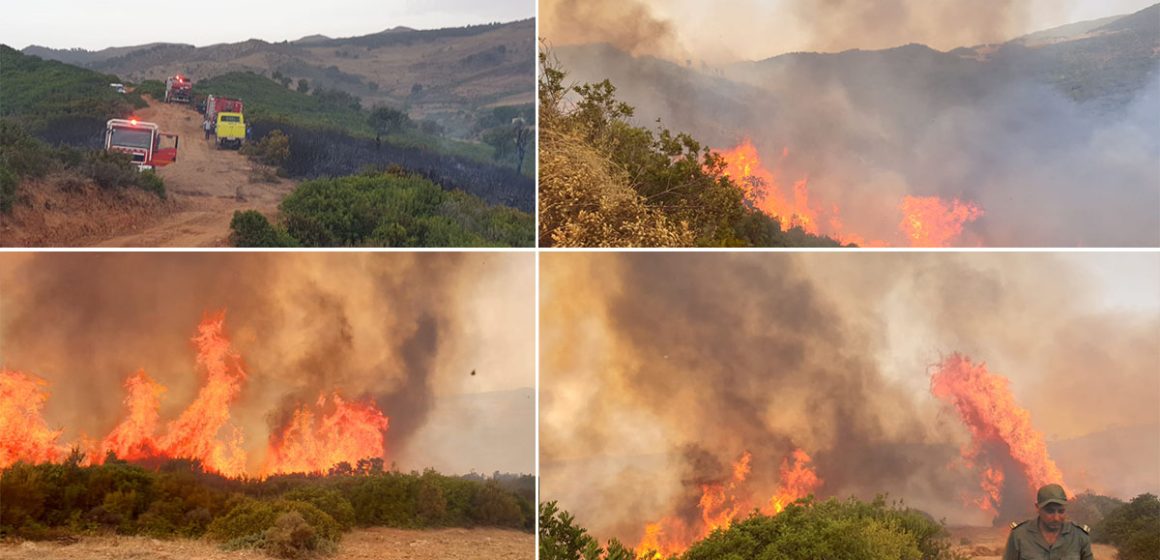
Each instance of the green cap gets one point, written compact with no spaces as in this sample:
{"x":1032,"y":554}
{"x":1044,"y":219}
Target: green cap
{"x":1051,"y":494}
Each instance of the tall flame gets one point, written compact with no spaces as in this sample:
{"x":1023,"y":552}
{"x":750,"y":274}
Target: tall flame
{"x":722,"y":503}
{"x":313,"y":441}
{"x":133,"y":438}
{"x":984,"y":402}
{"x":24,"y":435}
{"x":195,"y":433}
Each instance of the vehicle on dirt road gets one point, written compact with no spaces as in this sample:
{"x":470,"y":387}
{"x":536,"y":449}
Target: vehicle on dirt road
{"x":178,"y":89}
{"x":230,"y":130}
{"x":143,"y":141}
{"x":215,"y":104}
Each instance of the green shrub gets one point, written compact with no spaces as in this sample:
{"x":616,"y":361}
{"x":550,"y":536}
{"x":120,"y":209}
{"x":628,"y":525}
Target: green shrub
{"x":8,"y":184}
{"x":249,"y":228}
{"x":496,"y":507}
{"x":272,"y":149}
{"x":150,"y":181}
{"x":1133,"y":528}
{"x":152,"y":88}
{"x":398,"y":211}
{"x":328,"y":500}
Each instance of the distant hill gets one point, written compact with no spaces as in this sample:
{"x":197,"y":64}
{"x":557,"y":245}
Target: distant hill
{"x":1119,"y":462}
{"x":441,"y":74}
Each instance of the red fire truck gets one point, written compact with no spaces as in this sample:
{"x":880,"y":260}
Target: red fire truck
{"x":178,"y":89}
{"x":144,"y":141}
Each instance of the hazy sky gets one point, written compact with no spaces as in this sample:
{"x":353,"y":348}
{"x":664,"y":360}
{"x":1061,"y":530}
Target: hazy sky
{"x":96,"y":25}
{"x":757,"y":29}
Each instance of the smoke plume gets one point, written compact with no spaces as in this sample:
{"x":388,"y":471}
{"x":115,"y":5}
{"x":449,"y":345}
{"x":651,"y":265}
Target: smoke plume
{"x":403,"y":331}
{"x":660,"y":370}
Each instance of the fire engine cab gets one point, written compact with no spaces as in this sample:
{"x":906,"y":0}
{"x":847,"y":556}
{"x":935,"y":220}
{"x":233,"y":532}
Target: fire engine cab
{"x":144,"y":141}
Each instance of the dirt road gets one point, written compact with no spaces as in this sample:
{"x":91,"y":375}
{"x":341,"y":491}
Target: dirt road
{"x":360,"y":544}
{"x":206,"y":185}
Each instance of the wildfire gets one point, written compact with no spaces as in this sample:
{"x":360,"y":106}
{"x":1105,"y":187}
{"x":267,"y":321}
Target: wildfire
{"x":313,"y":440}
{"x":928,"y":221}
{"x":132,"y":439}
{"x":351,"y":431}
{"x":764,"y":191}
{"x":24,"y":435}
{"x":984,"y":402}
{"x":721,"y":503}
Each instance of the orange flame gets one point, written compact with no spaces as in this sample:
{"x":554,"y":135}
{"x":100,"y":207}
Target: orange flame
{"x":764,"y":191}
{"x":24,"y":435}
{"x":928,"y":221}
{"x":986,"y":405}
{"x":132,"y":439}
{"x":344,"y":431}
{"x":194,"y":434}
{"x":722,"y":503}
{"x":351,"y":431}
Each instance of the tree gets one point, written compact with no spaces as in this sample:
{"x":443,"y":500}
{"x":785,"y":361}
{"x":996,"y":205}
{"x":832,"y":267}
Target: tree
{"x":303,"y":86}
{"x":387,"y":120}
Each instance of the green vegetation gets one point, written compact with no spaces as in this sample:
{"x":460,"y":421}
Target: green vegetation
{"x":24,"y":157}
{"x":269,"y":101}
{"x":39,"y":93}
{"x":379,"y":209}
{"x":152,"y":88}
{"x":1089,"y":509}
{"x":289,"y":516}
{"x":605,"y":182}
{"x":1134,"y":528}
{"x":806,"y":530}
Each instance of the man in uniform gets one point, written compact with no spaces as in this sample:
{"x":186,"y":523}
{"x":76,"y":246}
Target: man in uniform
{"x":1050,"y":536}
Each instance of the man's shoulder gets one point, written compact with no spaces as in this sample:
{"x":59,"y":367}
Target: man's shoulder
{"x":1016,"y":525}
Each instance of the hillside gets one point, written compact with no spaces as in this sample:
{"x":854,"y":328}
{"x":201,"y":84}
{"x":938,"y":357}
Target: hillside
{"x":438,"y":74}
{"x":1025,"y":130}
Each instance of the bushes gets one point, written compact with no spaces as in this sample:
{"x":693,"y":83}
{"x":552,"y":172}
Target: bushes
{"x":273,"y":149}
{"x":397,"y":211}
{"x":178,"y":499}
{"x":830,"y":529}
{"x":24,"y":157}
{"x":834,"y":529}
{"x":606,"y":182}
{"x":250,"y":228}
{"x":1133,"y":528}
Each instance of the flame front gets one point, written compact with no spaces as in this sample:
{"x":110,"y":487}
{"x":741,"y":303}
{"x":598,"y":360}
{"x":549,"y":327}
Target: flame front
{"x":349,"y":432}
{"x":722,"y":503}
{"x":24,"y":435}
{"x":926,"y":221}
{"x":344,"y":431}
{"x":984,"y":402}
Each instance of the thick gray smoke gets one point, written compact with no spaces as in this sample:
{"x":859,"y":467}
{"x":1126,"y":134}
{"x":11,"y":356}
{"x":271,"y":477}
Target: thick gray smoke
{"x":1058,"y":144}
{"x":395,"y":328}
{"x":659,"y":370}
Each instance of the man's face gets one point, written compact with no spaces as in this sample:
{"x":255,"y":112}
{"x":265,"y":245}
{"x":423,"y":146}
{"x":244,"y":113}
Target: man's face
{"x":1052,"y":516}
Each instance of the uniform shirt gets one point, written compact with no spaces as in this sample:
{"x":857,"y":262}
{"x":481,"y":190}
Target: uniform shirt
{"x":1026,"y":542}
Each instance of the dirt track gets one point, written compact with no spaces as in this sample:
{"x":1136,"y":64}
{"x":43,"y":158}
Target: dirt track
{"x":360,"y":544}
{"x":206,"y":184}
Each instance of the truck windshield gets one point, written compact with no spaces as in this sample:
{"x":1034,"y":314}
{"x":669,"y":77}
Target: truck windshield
{"x":132,"y":138}
{"x":231,"y":118}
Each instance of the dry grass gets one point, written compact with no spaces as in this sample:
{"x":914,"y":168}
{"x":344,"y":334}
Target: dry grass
{"x":360,"y":544}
